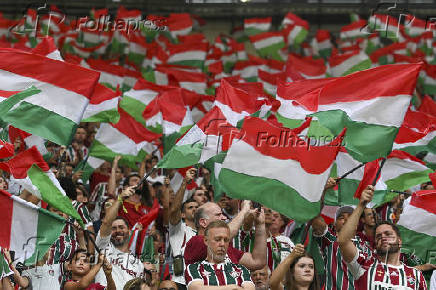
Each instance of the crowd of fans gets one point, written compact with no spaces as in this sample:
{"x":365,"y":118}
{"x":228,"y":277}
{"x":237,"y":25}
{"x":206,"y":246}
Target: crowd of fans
{"x":197,"y":242}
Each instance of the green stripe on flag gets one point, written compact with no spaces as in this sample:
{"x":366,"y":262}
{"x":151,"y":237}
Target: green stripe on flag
{"x":181,"y":156}
{"x":134,"y":108}
{"x":275,"y":194}
{"x":49,"y":228}
{"x":50,"y":193}
{"x":41,"y":122}
{"x":424,"y":246}
{"x":109,"y":116}
{"x":99,"y":150}
{"x":366,"y":64}
{"x":364,"y":142}
{"x":194,"y":63}
{"x":408,"y":180}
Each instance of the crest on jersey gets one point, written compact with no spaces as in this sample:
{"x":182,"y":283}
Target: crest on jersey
{"x":411,"y":280}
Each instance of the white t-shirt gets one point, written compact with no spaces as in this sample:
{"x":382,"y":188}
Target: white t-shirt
{"x":433,"y":281}
{"x":44,"y":277}
{"x":125,"y":266}
{"x":180,"y":234}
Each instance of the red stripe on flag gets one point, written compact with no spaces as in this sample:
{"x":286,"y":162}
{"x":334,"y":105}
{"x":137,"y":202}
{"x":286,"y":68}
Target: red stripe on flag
{"x":21,"y":163}
{"x":424,"y":199}
{"x":6,"y":211}
{"x":61,"y":74}
{"x":133,"y":129}
{"x":284,"y":143}
{"x":369,"y":173}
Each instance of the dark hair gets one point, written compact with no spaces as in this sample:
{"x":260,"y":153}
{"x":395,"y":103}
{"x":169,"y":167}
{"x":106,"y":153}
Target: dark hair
{"x":123,"y":219}
{"x":82,"y":189}
{"x":136,"y":283}
{"x":290,"y":279}
{"x":394,"y":227}
{"x":186,"y":202}
{"x":76,"y":252}
{"x":127,"y":180}
{"x":68,"y":185}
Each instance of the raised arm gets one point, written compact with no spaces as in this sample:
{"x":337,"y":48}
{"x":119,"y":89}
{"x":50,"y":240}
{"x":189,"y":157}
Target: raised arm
{"x":279,"y":273}
{"x":112,"y":212}
{"x":237,"y":221}
{"x":176,"y":206}
{"x":112,"y":185}
{"x":348,"y":231}
{"x":257,"y":258}
{"x":318,"y":224}
{"x":86,"y":280}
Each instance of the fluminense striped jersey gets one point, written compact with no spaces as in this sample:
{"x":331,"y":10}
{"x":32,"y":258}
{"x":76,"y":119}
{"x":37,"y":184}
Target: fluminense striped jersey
{"x":369,"y":273}
{"x":278,"y":248}
{"x":222,"y":274}
{"x":338,"y":277}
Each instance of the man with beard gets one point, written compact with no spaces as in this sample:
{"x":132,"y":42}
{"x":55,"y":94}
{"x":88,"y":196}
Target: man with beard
{"x":384,"y":271}
{"x":113,"y":241}
{"x":217,"y":269}
{"x":261,"y":278}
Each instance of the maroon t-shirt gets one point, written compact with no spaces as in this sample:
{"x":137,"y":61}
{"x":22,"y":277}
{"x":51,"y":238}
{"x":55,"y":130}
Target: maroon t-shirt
{"x":196,"y":251}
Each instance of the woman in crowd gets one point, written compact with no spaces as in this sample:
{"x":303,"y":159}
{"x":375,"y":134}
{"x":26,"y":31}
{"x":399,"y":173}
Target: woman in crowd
{"x":297,"y":271}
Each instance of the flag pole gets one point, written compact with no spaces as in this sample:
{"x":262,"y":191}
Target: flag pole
{"x":351,"y":171}
{"x":378,"y":172}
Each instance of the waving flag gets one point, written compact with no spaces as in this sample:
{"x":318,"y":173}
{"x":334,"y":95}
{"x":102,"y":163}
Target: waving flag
{"x":204,"y":140}
{"x":416,"y":224}
{"x":345,"y":64}
{"x":31,"y":171}
{"x":275,"y":160}
{"x":103,"y":106}
{"x":344,"y":102}
{"x":253,"y":26}
{"x":27,"y":230}
{"x":64,"y":93}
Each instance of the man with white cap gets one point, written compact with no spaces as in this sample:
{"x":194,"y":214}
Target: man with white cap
{"x":337,"y":273}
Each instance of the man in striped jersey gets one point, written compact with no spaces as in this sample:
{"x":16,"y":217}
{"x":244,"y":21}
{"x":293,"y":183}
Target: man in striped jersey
{"x":337,"y":274}
{"x":384,"y":271}
{"x":217,"y":269}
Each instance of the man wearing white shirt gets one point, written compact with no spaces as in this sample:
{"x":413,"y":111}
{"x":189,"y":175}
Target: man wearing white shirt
{"x":113,"y":241}
{"x":181,"y":228}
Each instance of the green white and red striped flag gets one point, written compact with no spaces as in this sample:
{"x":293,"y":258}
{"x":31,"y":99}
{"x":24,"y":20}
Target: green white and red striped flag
{"x":296,"y":33}
{"x":209,"y":137}
{"x":31,"y":172}
{"x":344,"y":102}
{"x":179,"y":24}
{"x":268,"y":43}
{"x":237,"y":101}
{"x":175,"y":76}
{"x":354,"y":30}
{"x":170,"y":115}
{"x":253,"y":26}
{"x":347,"y":63}
{"x":48,"y":48}
{"x":126,"y":138}
{"x":321,"y":43}
{"x":386,"y":25}
{"x":305,"y":67}
{"x":428,"y":79}
{"x":269,"y":80}
{"x":400,"y":172}
{"x":64,"y":93}
{"x":136,"y":99}
{"x":416,"y":224}
{"x":103,"y":106}
{"x":111,"y":75}
{"x":27,"y":229}
{"x":274,"y":159}
{"x":415,"y":26}
{"x":188,"y":53}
